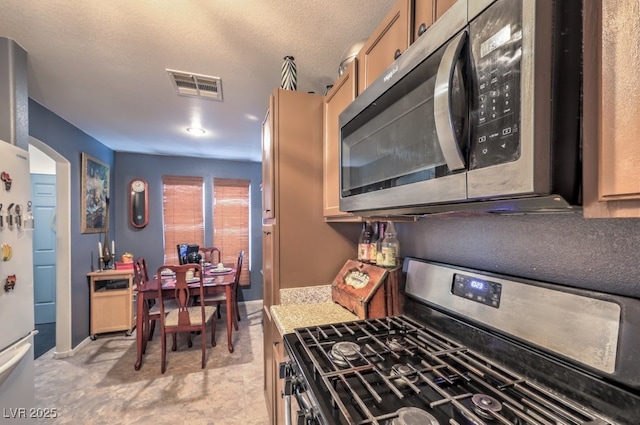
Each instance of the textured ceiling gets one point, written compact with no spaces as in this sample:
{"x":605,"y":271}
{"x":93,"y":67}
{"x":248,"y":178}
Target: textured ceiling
{"x":101,"y":64}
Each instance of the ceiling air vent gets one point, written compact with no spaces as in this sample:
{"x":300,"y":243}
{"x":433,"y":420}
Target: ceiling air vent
{"x":189,"y":84}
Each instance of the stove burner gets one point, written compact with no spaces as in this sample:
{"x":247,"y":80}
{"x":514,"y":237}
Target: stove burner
{"x":396,"y":342}
{"x":414,"y":416}
{"x":404,"y":373}
{"x":343,"y":351}
{"x":485,"y":405}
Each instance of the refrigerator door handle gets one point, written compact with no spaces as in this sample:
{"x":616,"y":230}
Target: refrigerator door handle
{"x":10,"y":365}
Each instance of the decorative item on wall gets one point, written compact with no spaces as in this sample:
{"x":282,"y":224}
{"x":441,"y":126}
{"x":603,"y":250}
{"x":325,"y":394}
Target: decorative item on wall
{"x":94,"y":187}
{"x":138,"y":203}
{"x":289,"y":76}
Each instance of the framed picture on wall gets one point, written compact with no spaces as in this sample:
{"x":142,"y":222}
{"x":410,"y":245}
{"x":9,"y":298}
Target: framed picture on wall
{"x":94,"y":187}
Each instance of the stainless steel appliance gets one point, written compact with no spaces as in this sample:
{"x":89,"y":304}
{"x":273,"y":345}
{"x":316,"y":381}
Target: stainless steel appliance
{"x":482,"y":112}
{"x":473,"y":347}
{"x":16,"y":287}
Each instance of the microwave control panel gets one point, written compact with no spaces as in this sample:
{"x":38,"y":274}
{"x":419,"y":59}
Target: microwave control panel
{"x":496,"y":48}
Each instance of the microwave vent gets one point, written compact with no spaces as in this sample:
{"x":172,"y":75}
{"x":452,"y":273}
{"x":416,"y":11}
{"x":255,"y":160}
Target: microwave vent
{"x":195,"y":85}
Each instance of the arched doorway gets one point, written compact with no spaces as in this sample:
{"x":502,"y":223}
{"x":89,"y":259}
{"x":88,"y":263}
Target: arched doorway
{"x":63,"y":248}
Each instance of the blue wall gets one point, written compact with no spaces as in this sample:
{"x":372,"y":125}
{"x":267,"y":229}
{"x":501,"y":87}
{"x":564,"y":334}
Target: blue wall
{"x":148,"y":242}
{"x":70,"y":142}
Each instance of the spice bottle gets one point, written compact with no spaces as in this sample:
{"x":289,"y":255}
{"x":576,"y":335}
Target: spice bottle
{"x":379,"y":259}
{"x":363,"y":242}
{"x":373,"y":245}
{"x":390,"y":246}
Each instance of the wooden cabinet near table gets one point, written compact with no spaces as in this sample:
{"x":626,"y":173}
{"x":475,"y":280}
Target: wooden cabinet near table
{"x":111,"y":297}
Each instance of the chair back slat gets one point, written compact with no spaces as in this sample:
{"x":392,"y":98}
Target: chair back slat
{"x":209,"y":254}
{"x":140,"y":274}
{"x":181,"y":292}
{"x":239,"y":267}
{"x":184,"y":318}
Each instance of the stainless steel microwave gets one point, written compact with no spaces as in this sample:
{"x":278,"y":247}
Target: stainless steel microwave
{"x":481,"y":112}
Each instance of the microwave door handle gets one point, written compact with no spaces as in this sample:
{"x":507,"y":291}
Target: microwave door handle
{"x":442,"y":105}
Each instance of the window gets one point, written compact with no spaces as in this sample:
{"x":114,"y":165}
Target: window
{"x":183,"y":214}
{"x":231,"y":221}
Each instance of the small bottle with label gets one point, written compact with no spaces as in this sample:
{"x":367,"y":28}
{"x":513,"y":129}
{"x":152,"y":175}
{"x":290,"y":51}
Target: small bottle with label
{"x":379,"y":260}
{"x":375,"y":237}
{"x":364,"y":244}
{"x":390,"y":247}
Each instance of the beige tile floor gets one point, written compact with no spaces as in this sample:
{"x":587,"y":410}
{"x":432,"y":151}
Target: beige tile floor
{"x":99,"y":385}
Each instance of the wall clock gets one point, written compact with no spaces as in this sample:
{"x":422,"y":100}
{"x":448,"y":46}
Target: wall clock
{"x":138,"y":203}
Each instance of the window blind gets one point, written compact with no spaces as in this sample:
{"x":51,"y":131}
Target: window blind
{"x":231,"y":221}
{"x":183,"y":214}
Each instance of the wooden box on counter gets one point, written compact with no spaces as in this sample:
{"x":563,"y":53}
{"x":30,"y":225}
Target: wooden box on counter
{"x":369,"y":291}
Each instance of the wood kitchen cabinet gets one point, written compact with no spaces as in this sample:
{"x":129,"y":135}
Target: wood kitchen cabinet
{"x":267,"y":165}
{"x":344,"y":91}
{"x":268,"y":295}
{"x":270,"y":375}
{"x":278,"y":358}
{"x":275,"y":354}
{"x":426,"y":12}
{"x":390,"y":39}
{"x":299,"y":247}
{"x":611,"y":148}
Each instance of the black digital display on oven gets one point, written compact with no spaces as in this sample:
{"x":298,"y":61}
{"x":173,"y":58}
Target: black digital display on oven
{"x":478,"y":290}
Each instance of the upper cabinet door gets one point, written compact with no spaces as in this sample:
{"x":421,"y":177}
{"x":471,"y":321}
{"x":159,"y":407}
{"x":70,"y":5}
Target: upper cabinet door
{"x":611,"y":107}
{"x":441,"y":7}
{"x":619,"y":145}
{"x":389,"y":40}
{"x":426,"y":13}
{"x":344,"y":91}
{"x":268,"y":177}
{"x":423,"y":12}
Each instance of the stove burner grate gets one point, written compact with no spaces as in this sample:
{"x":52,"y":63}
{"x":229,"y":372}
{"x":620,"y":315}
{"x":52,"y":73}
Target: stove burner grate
{"x":401,"y":373}
{"x":414,"y":416}
{"x":343,"y":352}
{"x":396,"y":342}
{"x":485,"y":405}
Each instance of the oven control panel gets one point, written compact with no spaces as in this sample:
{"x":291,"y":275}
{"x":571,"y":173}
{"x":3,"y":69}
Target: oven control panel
{"x":478,"y":290}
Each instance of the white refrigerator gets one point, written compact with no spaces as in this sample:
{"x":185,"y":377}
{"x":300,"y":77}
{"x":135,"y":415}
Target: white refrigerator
{"x":16,"y":287}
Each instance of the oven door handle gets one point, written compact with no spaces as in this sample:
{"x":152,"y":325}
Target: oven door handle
{"x":442,"y":110}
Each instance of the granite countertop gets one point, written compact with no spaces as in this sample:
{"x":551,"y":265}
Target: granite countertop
{"x":291,"y":316}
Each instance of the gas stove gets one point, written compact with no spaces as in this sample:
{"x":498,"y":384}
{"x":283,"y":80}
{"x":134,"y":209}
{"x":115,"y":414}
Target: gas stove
{"x":473,"y":348}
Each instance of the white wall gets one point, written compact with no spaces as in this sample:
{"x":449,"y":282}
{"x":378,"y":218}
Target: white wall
{"x":40,"y":163}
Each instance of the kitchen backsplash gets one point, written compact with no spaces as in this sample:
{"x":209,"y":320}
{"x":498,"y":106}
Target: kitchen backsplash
{"x":565,"y":249}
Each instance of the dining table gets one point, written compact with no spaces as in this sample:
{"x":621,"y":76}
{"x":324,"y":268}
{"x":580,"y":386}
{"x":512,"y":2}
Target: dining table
{"x":214,"y":281}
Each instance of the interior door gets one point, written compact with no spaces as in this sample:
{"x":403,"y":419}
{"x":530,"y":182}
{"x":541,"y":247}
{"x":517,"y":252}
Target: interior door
{"x":43,"y":197}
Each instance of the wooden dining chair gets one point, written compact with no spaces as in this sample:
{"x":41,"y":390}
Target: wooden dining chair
{"x":208,"y":253}
{"x":221,"y":296}
{"x":185,"y":317}
{"x":140,"y":277}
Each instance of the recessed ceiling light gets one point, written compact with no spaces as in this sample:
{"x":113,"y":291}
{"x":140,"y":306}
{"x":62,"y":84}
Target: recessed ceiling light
{"x":196,"y":131}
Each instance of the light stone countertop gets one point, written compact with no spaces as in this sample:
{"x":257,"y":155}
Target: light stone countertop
{"x":291,"y":316}
{"x":306,"y":295}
